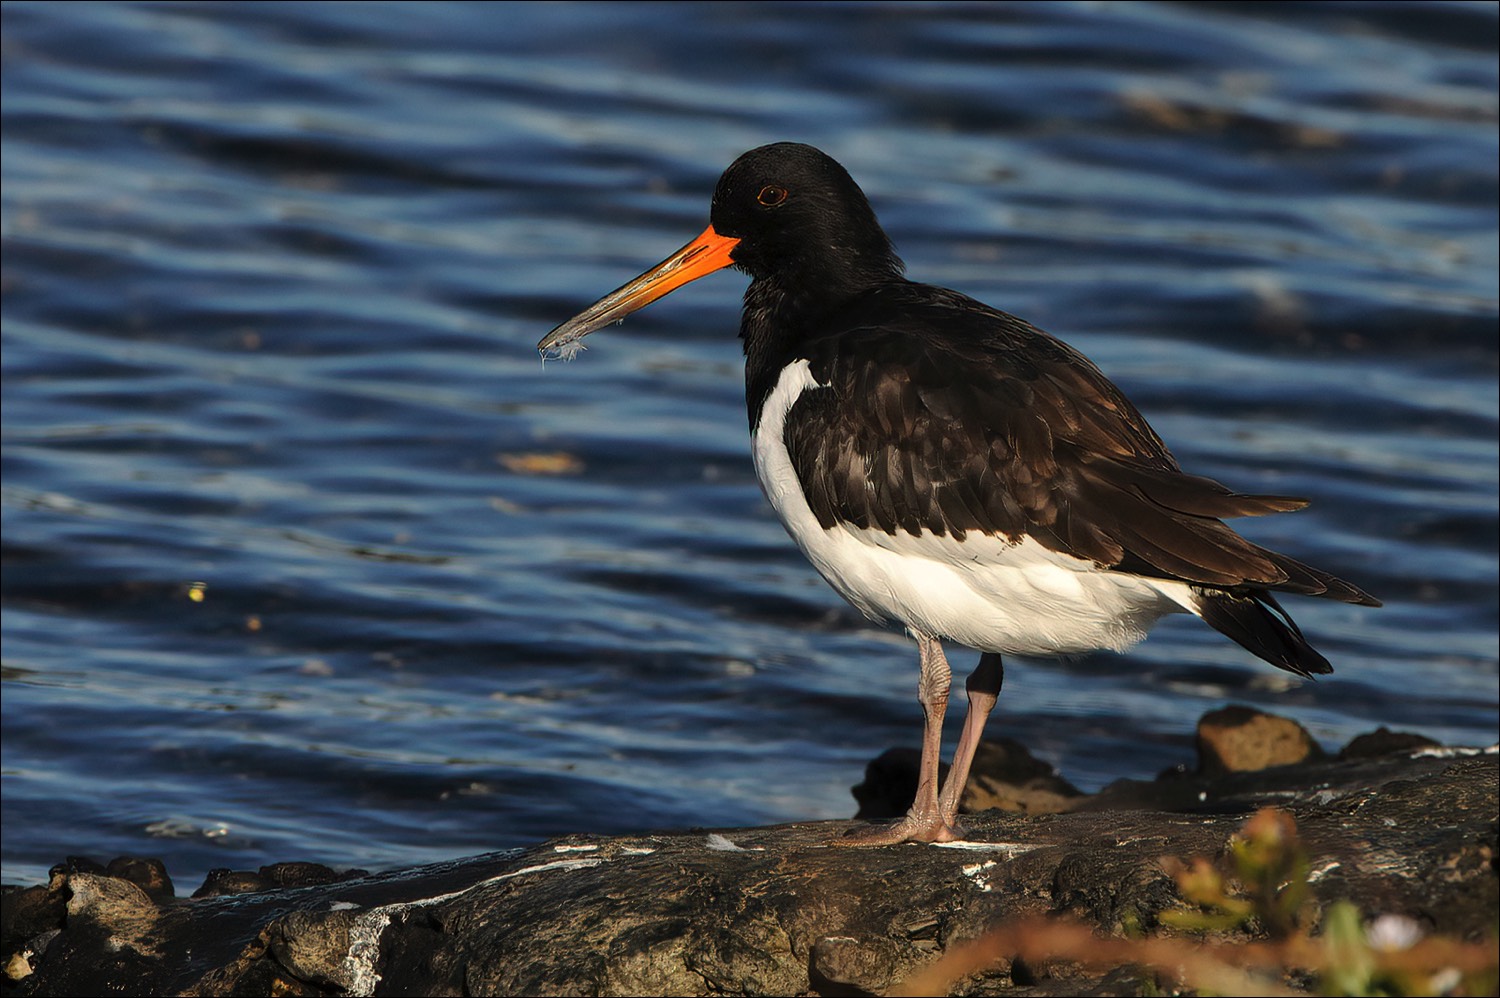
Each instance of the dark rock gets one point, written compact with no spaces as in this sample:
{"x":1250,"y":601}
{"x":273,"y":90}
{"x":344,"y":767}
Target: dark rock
{"x":221,"y":882}
{"x":312,"y":946}
{"x":418,"y":958}
{"x":107,"y":944}
{"x":306,"y":874}
{"x":777,"y":910}
{"x":1384,"y":741}
{"x":28,"y":914}
{"x":1004,"y":775}
{"x":115,"y":905}
{"x":76,"y":864}
{"x":890,"y":784}
{"x":1122,"y":893}
{"x":150,"y":875}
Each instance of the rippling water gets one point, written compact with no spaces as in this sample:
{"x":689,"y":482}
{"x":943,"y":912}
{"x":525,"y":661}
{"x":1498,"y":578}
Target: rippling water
{"x":306,"y":556}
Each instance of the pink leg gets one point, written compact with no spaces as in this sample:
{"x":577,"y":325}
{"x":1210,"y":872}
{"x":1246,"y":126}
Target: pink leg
{"x":924,"y":822}
{"x":983,"y":686}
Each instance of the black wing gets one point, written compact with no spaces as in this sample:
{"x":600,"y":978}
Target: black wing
{"x":949,"y":416}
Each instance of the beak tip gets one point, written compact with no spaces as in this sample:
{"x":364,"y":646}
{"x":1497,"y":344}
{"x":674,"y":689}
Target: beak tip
{"x":564,"y":352}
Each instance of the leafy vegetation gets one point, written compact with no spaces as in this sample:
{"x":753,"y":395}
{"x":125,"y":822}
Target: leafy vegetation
{"x":1251,"y":929}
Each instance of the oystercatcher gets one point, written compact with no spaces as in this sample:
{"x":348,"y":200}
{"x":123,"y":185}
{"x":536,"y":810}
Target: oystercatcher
{"x":952,"y":468}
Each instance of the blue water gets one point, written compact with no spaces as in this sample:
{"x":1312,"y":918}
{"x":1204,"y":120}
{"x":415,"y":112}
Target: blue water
{"x":307,"y":556}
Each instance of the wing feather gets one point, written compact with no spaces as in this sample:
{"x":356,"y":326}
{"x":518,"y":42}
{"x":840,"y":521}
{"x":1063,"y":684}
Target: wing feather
{"x":994,"y":426}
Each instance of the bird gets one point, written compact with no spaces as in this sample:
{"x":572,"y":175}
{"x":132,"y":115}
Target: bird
{"x":952,"y":469}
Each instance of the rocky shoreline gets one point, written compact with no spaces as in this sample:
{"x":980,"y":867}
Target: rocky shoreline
{"x":1395,"y":825}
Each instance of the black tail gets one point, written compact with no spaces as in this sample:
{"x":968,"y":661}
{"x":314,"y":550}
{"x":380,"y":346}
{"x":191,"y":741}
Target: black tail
{"x":1255,"y":620}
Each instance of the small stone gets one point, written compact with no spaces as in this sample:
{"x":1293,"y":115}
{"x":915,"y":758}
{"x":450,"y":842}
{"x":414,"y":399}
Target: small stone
{"x":150,"y":875}
{"x":313,"y":945}
{"x":1004,"y":775}
{"x":1384,"y":741}
{"x":222,"y":881}
{"x":122,"y":910}
{"x":1240,"y":739}
{"x":76,"y":864}
{"x":304,"y":874}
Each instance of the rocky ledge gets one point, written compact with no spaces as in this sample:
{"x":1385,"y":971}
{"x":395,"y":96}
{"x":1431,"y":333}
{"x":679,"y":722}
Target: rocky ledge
{"x":1054,"y":892}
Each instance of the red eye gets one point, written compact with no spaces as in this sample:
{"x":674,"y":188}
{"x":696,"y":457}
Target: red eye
{"x":771,"y":195}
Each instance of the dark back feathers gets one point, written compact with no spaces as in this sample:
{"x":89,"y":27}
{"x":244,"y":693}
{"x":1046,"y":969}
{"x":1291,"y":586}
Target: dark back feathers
{"x":944,"y":415}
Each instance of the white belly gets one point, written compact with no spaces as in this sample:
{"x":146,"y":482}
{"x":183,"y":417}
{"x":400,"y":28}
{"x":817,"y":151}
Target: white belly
{"x":984,"y":592}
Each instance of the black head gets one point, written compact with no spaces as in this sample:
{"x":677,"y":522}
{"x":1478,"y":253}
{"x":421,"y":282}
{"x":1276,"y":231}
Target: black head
{"x":786,"y":214}
{"x":798,"y":214}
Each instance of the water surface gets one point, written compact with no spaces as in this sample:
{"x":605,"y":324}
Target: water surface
{"x":307,"y":556}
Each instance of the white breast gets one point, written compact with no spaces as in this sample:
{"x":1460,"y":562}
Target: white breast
{"x":985,"y":592}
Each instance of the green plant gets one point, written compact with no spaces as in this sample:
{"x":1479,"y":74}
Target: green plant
{"x":1265,"y":890}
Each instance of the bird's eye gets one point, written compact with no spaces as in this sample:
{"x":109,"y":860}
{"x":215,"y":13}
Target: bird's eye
{"x":771,"y":195}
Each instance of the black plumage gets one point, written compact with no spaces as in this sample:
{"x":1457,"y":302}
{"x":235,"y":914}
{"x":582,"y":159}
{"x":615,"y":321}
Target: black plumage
{"x":998,"y":428}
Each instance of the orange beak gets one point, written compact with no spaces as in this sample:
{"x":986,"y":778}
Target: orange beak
{"x":704,"y":255}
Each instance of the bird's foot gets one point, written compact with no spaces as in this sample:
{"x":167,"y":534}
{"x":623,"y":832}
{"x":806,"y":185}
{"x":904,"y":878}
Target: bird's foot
{"x":912,"y":828}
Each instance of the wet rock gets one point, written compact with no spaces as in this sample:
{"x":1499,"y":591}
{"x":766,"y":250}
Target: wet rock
{"x":306,"y":874}
{"x":774,"y":910}
{"x":313,"y":947}
{"x":222,"y":882}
